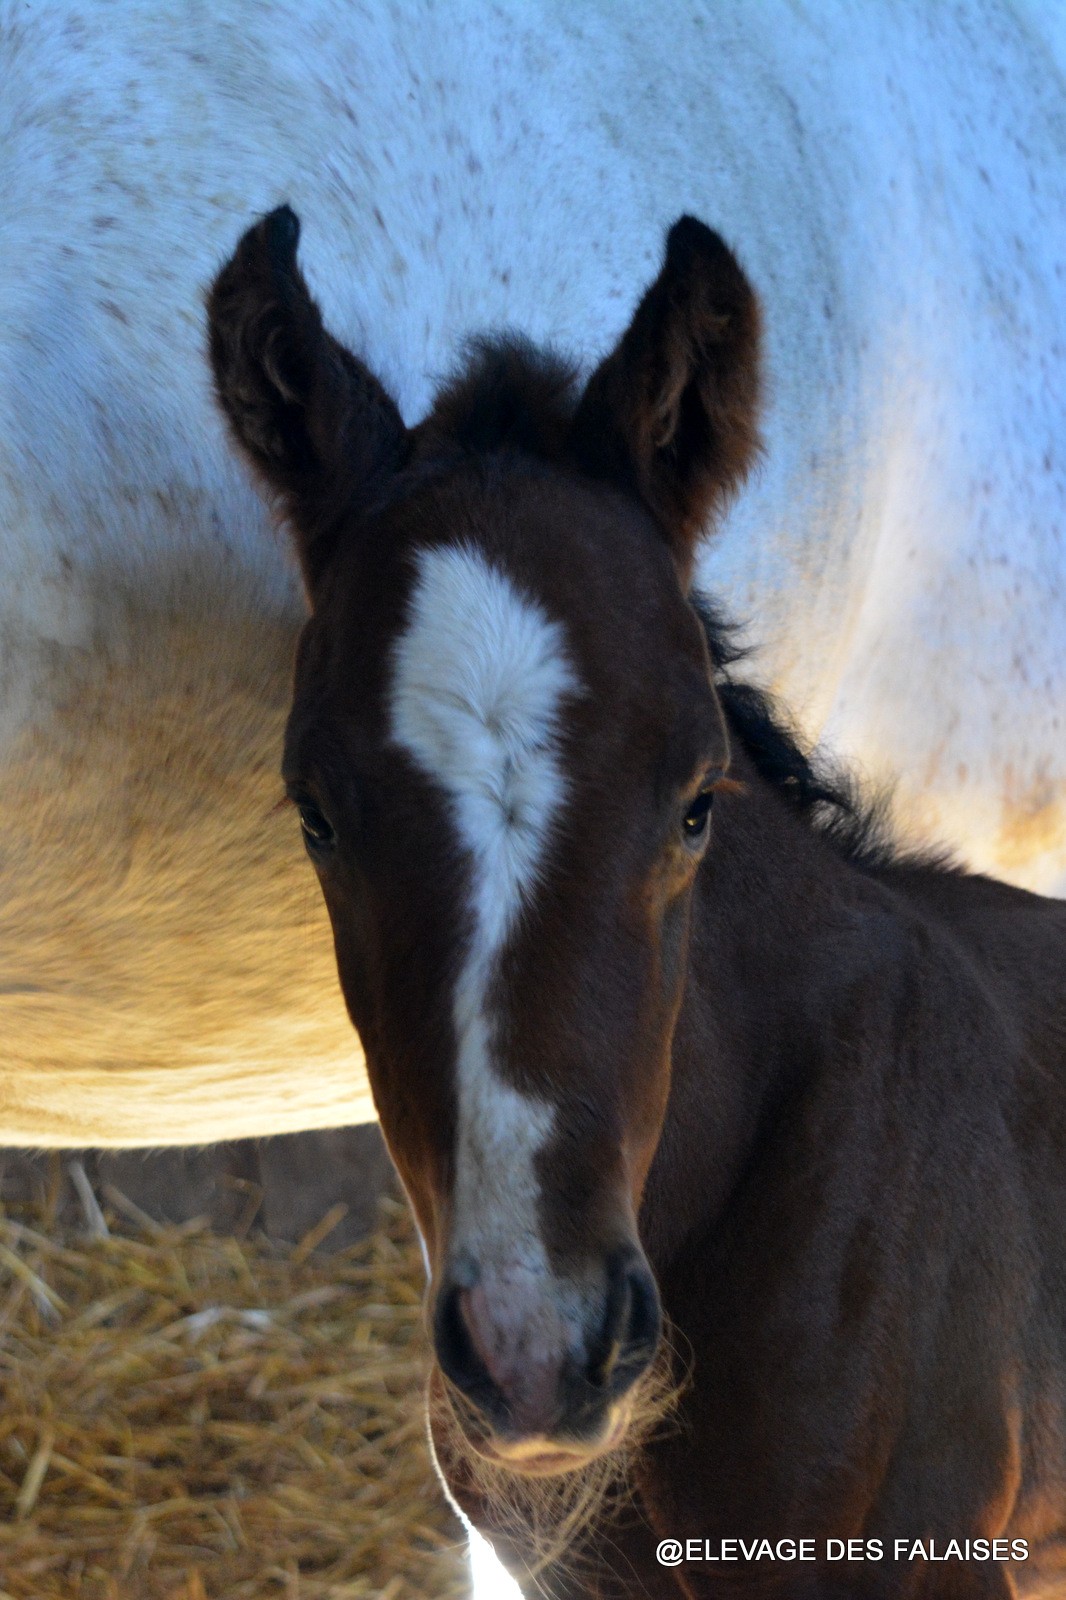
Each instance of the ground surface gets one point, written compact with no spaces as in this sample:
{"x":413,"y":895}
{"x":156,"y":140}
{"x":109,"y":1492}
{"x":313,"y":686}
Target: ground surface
{"x":189,"y":1415}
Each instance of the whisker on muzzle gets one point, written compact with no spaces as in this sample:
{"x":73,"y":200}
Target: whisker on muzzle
{"x":540,"y":1520}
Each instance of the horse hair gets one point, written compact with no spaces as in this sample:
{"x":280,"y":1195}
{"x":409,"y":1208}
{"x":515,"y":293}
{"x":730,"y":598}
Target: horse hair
{"x":509,"y":394}
{"x":815,"y":787}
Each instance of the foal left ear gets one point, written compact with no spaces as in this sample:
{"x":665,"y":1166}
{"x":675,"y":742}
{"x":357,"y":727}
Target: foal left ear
{"x":314,"y":422}
{"x":672,"y":413}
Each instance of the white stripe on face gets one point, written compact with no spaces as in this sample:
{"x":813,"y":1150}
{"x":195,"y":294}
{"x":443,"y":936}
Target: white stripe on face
{"x":479,"y":676}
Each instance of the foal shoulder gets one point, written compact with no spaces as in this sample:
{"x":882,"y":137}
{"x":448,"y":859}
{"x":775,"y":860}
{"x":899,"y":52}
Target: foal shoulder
{"x":1013,"y":941}
{"x":950,"y":972}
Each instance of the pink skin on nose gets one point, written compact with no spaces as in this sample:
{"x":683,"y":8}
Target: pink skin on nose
{"x":522,"y":1342}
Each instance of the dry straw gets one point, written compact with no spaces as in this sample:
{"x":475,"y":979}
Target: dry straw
{"x":185,"y":1416}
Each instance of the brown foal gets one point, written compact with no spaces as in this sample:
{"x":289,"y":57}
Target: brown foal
{"x":655,"y":1016}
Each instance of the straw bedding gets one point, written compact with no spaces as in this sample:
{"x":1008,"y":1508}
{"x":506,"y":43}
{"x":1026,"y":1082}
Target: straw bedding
{"x":185,"y":1416}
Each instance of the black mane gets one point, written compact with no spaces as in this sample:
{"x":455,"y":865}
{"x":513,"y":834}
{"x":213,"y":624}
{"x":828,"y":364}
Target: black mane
{"x":813,"y":786}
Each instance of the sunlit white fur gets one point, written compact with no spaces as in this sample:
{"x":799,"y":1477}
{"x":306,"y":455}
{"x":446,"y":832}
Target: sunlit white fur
{"x":490,"y":1581}
{"x":480,"y":678}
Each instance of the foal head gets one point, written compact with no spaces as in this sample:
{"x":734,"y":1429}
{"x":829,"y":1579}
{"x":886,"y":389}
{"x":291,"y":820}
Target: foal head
{"x":503,"y":749}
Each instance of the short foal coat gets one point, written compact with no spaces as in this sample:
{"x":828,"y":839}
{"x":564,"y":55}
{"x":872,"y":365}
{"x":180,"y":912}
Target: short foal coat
{"x":829,"y":1077}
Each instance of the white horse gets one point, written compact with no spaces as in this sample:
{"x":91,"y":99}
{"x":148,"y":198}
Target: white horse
{"x":894,"y":180}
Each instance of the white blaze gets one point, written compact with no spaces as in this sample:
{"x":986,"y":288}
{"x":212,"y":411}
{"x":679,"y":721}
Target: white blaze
{"x":480,"y":673}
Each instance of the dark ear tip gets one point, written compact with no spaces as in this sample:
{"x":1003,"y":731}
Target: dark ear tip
{"x":690,"y":241}
{"x":282,"y":230}
{"x":695,"y":254}
{"x":689,"y":235}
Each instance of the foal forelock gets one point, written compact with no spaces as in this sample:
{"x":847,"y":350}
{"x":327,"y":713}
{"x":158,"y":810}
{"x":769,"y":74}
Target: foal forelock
{"x":480,"y":675}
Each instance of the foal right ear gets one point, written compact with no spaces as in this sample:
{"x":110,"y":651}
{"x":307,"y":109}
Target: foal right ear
{"x":316,"y":425}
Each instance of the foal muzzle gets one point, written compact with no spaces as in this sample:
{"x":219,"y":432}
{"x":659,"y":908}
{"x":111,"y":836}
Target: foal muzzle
{"x":532,"y":1390}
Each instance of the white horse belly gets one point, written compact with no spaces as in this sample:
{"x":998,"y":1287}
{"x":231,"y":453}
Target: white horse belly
{"x":166,"y":972}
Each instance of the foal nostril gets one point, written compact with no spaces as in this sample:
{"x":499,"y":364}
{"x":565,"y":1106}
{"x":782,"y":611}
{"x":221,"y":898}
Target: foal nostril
{"x":631,"y":1326}
{"x":456,"y":1352}
{"x":645,"y":1311}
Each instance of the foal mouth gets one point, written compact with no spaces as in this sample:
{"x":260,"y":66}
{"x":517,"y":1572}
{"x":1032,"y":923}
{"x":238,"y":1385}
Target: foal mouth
{"x":537,"y":1455}
{"x":546,"y":1458}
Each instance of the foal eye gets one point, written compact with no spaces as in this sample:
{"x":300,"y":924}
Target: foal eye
{"x":694,"y":823}
{"x":317,"y":832}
